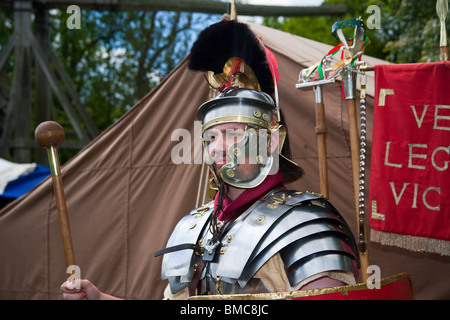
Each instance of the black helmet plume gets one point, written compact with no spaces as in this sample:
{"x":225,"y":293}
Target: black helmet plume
{"x":226,"y":39}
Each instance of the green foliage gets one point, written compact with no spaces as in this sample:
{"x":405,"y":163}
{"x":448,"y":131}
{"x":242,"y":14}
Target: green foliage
{"x":113,"y":60}
{"x":118,"y":57}
{"x":6,"y":27}
{"x":409,"y":30}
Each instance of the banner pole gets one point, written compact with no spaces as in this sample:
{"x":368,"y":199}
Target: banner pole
{"x":321,"y":132}
{"x":320,"y":129}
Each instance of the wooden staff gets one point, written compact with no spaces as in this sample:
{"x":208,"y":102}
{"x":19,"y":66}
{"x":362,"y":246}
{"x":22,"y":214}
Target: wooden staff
{"x":49,"y":135}
{"x":321,"y":132}
{"x":349,"y":81}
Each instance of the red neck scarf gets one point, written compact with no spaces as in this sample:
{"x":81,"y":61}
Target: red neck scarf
{"x":246,"y":198}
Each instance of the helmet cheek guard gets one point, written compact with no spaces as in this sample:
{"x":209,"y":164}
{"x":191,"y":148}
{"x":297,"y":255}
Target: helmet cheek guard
{"x":251,"y":160}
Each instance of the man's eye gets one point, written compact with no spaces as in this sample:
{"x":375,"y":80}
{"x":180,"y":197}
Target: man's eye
{"x":210,"y":137}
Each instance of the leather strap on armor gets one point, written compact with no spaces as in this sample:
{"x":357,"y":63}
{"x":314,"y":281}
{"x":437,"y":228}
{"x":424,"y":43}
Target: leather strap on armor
{"x":179,"y":247}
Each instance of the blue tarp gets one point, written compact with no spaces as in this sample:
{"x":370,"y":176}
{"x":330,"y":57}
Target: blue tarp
{"x":24,"y":183}
{"x":17,"y":187}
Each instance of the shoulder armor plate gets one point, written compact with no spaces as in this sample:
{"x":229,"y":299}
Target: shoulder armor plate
{"x":187,"y":231}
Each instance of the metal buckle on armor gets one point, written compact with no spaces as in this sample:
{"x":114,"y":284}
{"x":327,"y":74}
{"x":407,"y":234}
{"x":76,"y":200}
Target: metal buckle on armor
{"x":210,"y":249}
{"x":201,"y":211}
{"x":278,"y":201}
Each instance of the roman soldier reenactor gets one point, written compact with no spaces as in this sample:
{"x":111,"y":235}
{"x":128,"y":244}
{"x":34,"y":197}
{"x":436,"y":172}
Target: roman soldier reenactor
{"x":257,"y":236}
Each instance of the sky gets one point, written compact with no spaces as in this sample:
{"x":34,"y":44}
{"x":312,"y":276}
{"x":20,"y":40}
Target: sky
{"x":275,"y":3}
{"x":285,"y":2}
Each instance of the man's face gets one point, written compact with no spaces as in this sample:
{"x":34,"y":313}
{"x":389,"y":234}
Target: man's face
{"x":242,"y":158}
{"x":219,"y":138}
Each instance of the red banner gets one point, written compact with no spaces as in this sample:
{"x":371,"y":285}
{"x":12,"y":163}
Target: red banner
{"x":410,"y":165}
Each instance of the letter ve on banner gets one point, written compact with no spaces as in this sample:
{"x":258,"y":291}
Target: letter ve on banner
{"x":409,"y":197}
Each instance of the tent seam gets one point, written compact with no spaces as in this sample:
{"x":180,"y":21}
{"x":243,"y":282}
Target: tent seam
{"x":125,"y":168}
{"x":127,"y":215}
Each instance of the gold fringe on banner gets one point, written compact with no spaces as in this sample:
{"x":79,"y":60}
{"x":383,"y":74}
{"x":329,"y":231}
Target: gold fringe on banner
{"x":419,"y":244}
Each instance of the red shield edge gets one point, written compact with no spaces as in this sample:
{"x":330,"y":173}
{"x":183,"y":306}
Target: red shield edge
{"x":396,"y":287}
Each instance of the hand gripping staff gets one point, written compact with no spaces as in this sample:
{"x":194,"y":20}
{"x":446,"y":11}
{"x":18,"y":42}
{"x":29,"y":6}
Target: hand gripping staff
{"x":49,"y":135}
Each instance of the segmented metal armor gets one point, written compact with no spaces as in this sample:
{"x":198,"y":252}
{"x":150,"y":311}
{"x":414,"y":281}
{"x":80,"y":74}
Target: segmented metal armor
{"x":305,"y":229}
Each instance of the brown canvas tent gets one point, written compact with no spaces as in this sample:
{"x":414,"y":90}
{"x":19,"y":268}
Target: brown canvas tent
{"x":124,"y":194}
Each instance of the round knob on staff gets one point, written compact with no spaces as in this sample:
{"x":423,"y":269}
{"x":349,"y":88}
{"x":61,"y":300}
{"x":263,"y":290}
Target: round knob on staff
{"x":49,"y":134}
